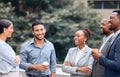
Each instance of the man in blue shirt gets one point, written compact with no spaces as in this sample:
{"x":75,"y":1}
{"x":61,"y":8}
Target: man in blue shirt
{"x":38,"y":56}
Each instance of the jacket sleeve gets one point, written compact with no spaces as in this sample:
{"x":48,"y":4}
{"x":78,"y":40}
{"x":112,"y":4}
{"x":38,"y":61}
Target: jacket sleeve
{"x":90,"y":61}
{"x":68,"y":69}
{"x":114,"y":61}
{"x":72,"y":69}
{"x":7,"y":55}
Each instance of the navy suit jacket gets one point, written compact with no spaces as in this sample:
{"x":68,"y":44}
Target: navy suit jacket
{"x":112,"y":61}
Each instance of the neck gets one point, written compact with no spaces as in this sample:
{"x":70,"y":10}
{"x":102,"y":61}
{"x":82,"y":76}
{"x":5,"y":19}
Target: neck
{"x":118,"y":28}
{"x":109,"y":33}
{"x":39,"y":42}
{"x":2,"y":37}
{"x":81,"y":46}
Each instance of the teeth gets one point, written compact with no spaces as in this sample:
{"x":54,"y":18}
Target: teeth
{"x":109,"y":24}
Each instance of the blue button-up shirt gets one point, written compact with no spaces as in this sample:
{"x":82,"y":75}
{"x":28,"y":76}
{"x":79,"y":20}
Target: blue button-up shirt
{"x":32,"y":54}
{"x":7,"y":58}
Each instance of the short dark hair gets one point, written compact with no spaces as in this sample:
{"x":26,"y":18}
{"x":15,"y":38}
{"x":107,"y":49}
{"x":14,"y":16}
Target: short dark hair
{"x":36,"y":23}
{"x":4,"y":23}
{"x":117,"y":11}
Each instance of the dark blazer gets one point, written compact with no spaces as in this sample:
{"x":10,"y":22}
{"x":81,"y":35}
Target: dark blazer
{"x":112,"y":61}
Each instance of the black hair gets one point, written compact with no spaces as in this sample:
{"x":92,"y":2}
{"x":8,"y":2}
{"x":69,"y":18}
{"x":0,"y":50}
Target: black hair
{"x":4,"y":23}
{"x":36,"y":23}
{"x":87,"y":33}
{"x":117,"y":11}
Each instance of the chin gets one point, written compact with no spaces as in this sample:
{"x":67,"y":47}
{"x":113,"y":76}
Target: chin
{"x":40,"y":38}
{"x":8,"y":36}
{"x":76,"y":43}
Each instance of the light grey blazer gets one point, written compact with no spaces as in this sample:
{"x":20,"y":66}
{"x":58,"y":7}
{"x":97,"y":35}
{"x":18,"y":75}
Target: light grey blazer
{"x":85,"y":60}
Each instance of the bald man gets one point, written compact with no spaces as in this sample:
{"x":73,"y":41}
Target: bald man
{"x":98,"y":70}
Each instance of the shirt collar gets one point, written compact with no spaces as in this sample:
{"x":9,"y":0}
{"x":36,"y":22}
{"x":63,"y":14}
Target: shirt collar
{"x":116,"y":33}
{"x":32,"y":41}
{"x":83,"y":49}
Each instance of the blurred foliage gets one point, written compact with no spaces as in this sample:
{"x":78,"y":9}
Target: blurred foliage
{"x":61,"y":21}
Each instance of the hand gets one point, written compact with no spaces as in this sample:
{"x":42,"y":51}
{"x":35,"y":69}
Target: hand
{"x":96,"y":54}
{"x":17,"y":59}
{"x":84,"y":69}
{"x":53,"y":74}
{"x":41,"y":67}
{"x":67,"y":63}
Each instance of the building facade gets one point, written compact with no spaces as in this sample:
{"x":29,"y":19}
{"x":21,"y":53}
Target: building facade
{"x":105,"y":7}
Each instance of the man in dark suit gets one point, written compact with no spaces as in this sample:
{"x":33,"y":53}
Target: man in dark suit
{"x":111,"y":61}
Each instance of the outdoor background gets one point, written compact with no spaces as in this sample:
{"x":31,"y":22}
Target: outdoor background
{"x":61,"y":18}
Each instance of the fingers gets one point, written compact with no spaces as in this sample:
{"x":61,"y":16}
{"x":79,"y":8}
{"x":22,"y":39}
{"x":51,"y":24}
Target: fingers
{"x":94,"y":51}
{"x":42,"y":67}
{"x":96,"y":54}
{"x":86,"y":70}
{"x":17,"y":59}
{"x":67,"y":63}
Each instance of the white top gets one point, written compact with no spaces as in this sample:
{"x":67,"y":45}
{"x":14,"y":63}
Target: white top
{"x":79,"y":54}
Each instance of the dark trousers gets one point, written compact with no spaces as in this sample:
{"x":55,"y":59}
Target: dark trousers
{"x":37,"y":75}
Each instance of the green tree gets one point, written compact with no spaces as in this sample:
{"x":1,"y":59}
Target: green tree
{"x":61,"y":24}
{"x":64,"y":22}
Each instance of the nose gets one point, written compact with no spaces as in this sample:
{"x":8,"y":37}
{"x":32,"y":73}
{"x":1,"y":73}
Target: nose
{"x":109,"y":22}
{"x":12,"y":30}
{"x":40,"y":31}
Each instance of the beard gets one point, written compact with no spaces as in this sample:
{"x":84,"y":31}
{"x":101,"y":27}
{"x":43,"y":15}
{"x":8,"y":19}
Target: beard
{"x":111,"y":27}
{"x":103,"y":33}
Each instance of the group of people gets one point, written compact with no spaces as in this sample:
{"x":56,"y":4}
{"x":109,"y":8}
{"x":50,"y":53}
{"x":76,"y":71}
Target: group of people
{"x":37,"y":56}
{"x":104,"y":61}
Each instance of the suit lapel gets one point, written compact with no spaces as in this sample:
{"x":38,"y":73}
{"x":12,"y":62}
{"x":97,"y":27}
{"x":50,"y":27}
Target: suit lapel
{"x":112,"y":45}
{"x":83,"y":55}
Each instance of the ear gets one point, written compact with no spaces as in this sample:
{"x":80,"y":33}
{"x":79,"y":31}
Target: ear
{"x":119,"y":20}
{"x":4,"y":29}
{"x":45,"y":30}
{"x":85,"y":39}
{"x":32,"y":32}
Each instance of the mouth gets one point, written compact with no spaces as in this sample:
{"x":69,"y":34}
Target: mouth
{"x":76,"y":41}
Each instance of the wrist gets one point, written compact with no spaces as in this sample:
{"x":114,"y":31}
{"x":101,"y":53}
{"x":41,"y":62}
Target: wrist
{"x":32,"y":67}
{"x":78,"y":69}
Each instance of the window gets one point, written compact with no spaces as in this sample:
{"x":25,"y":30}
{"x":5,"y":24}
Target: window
{"x":97,"y":4}
{"x":102,"y":4}
{"x":110,"y":4}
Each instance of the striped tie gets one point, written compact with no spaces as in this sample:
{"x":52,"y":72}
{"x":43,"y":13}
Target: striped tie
{"x":106,"y":47}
